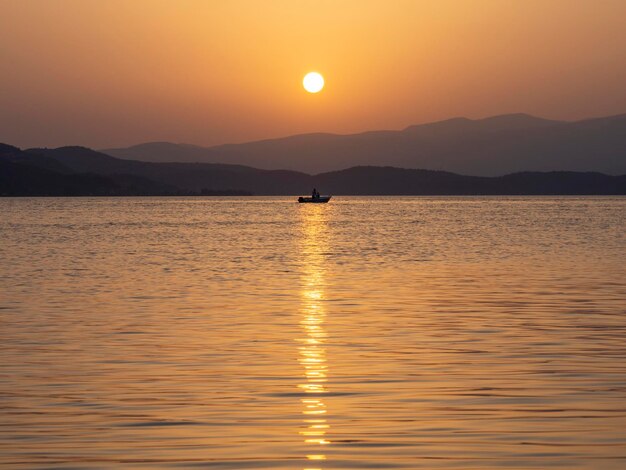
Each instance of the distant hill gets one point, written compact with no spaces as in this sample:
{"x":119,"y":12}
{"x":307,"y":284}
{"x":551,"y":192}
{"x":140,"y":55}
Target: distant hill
{"x":79,"y":171}
{"x":494,"y":146}
{"x":23,"y":174}
{"x":398,"y":181}
{"x":193,"y":177}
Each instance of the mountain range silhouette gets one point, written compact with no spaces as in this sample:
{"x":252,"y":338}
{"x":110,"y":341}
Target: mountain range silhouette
{"x":78,"y":171}
{"x":487,"y":147}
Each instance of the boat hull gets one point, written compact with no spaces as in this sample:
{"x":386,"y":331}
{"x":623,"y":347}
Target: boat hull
{"x":317,"y":200}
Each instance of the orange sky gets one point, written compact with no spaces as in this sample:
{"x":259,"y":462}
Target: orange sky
{"x":121,"y":72}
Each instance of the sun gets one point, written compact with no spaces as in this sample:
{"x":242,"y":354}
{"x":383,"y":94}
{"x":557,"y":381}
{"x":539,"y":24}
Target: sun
{"x":313,"y":82}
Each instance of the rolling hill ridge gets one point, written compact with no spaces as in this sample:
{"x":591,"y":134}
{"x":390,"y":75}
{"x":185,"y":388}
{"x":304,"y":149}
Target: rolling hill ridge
{"x":79,"y":171}
{"x":493,"y":146}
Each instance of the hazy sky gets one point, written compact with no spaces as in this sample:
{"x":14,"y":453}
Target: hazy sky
{"x":107,"y":73}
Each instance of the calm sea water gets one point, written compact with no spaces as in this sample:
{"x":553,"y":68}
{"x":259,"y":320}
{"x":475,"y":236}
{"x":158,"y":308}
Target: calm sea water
{"x":390,"y":332}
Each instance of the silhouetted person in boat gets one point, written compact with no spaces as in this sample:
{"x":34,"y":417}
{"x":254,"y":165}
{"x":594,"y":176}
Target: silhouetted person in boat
{"x":315,"y":194}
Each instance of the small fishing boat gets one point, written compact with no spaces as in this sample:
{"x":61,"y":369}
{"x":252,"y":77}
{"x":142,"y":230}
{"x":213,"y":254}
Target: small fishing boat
{"x":318,"y":199}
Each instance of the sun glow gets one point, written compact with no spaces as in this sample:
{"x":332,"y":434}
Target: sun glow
{"x":313,"y":82}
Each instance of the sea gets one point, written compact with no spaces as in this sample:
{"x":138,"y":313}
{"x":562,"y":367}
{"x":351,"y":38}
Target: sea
{"x":366,"y":333}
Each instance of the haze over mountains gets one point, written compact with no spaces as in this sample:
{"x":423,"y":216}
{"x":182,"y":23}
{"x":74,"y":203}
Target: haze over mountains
{"x":79,"y":171}
{"x":493,"y":146}
{"x":511,"y":154}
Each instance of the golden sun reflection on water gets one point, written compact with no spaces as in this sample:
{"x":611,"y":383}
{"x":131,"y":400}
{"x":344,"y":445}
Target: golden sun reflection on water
{"x":370,"y":333}
{"x":312,"y":350}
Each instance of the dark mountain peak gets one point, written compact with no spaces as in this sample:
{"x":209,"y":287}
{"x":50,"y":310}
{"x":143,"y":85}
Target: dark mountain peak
{"x":18,"y":156}
{"x":83,"y":159}
{"x":6,"y":150}
{"x":72,"y":152}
